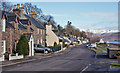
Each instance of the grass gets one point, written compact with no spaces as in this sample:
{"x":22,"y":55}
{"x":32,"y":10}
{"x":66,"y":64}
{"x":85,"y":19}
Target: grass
{"x":97,"y":50}
{"x":115,"y":64}
{"x":99,"y":46}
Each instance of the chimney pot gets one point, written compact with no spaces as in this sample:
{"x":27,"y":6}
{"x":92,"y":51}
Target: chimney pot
{"x":18,"y":6}
{"x":14,"y":6}
{"x":34,"y":12}
{"x":22,"y":5}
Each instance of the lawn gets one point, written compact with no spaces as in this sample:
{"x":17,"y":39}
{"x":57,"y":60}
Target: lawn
{"x":99,"y":46}
{"x":115,"y":64}
{"x":97,"y":50}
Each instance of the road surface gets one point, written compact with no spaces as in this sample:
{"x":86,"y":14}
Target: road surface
{"x":77,"y":58}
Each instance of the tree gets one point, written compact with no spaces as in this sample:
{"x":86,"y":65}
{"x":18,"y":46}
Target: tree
{"x":29,"y":8}
{"x":22,"y":46}
{"x":7,"y":6}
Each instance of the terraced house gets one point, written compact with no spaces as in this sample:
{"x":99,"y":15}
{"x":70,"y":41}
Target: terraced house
{"x":38,"y":29}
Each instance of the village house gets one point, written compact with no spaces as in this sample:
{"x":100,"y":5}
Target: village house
{"x":12,"y":29}
{"x":51,"y":35}
{"x":38,"y":29}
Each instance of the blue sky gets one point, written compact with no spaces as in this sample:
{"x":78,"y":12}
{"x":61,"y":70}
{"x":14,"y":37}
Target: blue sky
{"x":83,"y":15}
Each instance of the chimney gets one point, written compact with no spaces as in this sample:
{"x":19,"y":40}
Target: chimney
{"x":14,"y":6}
{"x":34,"y":15}
{"x":28,"y":27}
{"x":34,"y":12}
{"x":21,"y":5}
{"x":18,"y":6}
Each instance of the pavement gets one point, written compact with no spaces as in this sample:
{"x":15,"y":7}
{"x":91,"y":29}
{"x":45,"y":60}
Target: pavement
{"x":28,"y":59}
{"x":77,"y":58}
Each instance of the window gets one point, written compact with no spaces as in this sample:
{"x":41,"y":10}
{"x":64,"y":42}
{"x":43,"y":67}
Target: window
{"x":41,"y":39}
{"x":41,"y":32}
{"x":40,"y":46}
{"x":38,"y":41}
{"x":3,"y":46}
{"x":38,"y":31}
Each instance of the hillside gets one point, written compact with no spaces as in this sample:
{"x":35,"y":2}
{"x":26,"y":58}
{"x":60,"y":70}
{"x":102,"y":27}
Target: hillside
{"x":110,"y":36}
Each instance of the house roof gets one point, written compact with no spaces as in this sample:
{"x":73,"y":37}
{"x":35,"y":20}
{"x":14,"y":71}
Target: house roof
{"x":20,"y":26}
{"x":8,"y":25}
{"x":24,"y":21}
{"x":10,"y":16}
{"x":28,"y":35}
{"x":35,"y":22}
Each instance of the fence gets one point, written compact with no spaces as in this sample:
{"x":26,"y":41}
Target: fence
{"x":56,"y":48}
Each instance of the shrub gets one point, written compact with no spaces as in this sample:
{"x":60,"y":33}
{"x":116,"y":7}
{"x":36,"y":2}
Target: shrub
{"x":55,"y":44}
{"x":22,"y":46}
{"x":45,"y":44}
{"x":63,"y":44}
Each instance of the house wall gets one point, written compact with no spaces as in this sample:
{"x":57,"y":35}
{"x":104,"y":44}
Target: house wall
{"x":38,"y":34}
{"x":10,"y":36}
{"x":0,"y":39}
{"x":35,"y":34}
{"x":51,"y":36}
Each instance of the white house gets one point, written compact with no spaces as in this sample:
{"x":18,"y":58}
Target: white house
{"x":101,"y":41}
{"x":51,"y":37}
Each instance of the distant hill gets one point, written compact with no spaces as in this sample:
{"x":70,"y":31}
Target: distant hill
{"x":110,"y":36}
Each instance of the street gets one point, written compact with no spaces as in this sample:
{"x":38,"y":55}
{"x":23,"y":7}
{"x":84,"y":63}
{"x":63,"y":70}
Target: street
{"x":77,"y":58}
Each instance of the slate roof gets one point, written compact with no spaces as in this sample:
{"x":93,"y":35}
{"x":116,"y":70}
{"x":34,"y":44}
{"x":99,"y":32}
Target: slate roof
{"x":24,"y":21}
{"x":28,"y":35}
{"x":10,"y":16}
{"x":8,"y":25}
{"x":20,"y":26}
{"x":35,"y":22}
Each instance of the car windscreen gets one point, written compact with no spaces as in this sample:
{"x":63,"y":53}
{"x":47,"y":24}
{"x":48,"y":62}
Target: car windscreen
{"x":40,"y":46}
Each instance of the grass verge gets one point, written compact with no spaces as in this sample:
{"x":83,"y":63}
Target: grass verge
{"x":115,"y":64}
{"x":99,"y":46}
{"x":97,"y":50}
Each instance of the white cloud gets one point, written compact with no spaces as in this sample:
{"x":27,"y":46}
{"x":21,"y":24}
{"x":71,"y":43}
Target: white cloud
{"x":63,"y":0}
{"x":54,"y":14}
{"x":101,"y":14}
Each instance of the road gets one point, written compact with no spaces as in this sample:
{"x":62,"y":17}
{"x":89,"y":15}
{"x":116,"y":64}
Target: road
{"x":77,"y":58}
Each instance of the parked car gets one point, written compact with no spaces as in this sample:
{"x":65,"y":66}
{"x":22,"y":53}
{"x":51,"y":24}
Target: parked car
{"x":88,"y":45}
{"x":40,"y":47}
{"x":92,"y":45}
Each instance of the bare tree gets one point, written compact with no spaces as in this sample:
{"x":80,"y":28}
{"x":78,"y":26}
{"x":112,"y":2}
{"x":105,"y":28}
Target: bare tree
{"x":29,"y":8}
{"x":7,"y":6}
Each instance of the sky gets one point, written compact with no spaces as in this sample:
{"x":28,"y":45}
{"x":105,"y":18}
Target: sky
{"x":83,"y":15}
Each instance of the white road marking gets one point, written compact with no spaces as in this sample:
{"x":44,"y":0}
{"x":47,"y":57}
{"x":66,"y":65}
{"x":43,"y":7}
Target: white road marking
{"x":85,"y":68}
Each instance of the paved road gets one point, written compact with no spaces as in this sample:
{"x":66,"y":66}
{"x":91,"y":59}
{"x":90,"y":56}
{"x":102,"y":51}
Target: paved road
{"x":77,"y":58}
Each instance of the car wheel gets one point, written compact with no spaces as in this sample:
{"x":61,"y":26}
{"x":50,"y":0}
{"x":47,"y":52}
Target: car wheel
{"x":46,"y":52}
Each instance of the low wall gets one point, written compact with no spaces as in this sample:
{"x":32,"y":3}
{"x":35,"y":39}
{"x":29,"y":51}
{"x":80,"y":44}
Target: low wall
{"x":2,"y":58}
{"x":15,"y":57}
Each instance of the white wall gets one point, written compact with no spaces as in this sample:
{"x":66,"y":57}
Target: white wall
{"x":3,"y":49}
{"x":3,"y":25}
{"x":51,"y":36}
{"x":31,"y":39}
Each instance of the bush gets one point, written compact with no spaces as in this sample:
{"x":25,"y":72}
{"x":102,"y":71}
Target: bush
{"x":22,"y":46}
{"x":45,"y":44}
{"x":63,"y":44}
{"x":55,"y":44}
